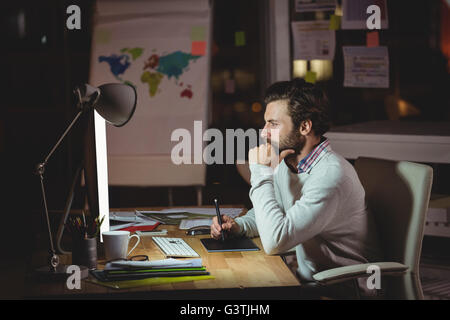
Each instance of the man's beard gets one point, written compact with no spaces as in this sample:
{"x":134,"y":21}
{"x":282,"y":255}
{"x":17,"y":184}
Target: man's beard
{"x":294,"y":140}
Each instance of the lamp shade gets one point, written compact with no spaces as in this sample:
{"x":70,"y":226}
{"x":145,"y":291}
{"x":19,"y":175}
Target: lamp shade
{"x":115,"y":102}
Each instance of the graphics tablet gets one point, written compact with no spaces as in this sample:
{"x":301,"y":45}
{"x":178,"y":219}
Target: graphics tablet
{"x":233,"y":244}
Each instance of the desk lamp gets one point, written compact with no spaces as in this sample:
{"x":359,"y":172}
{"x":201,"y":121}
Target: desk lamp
{"x":116,"y":103}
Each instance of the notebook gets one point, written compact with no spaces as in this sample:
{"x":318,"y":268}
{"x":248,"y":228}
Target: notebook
{"x":232,"y":244}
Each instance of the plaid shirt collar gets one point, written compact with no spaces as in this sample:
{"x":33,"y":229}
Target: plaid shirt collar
{"x":308,"y":162}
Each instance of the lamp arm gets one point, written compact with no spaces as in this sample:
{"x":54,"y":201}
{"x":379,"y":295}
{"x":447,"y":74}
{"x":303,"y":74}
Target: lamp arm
{"x":83,"y":106}
{"x":40,"y":169}
{"x":67,"y":208}
{"x":54,"y":259}
{"x":61,"y":138}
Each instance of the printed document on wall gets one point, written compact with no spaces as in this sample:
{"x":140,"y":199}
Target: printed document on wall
{"x":366,"y":67}
{"x":314,"y":5}
{"x":313,"y":40}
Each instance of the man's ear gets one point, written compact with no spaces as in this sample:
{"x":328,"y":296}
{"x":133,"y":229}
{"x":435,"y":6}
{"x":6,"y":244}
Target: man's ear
{"x":305,"y":127}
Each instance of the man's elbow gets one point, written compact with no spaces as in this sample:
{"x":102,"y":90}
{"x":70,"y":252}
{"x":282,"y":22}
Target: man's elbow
{"x":275,"y":243}
{"x":272,"y":248}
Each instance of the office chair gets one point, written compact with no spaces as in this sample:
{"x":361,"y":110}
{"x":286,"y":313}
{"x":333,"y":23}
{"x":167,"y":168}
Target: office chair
{"x":398,"y":194}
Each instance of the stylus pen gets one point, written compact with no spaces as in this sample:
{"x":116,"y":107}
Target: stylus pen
{"x":219,"y":218}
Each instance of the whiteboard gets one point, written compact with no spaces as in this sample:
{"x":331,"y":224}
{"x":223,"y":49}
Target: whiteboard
{"x":162,"y":48}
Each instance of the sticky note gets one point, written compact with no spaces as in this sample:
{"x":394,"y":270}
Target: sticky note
{"x":310,"y":77}
{"x":102,"y":36}
{"x":372,"y":39}
{"x":229,"y":86}
{"x":198,"y":33}
{"x":239,"y":38}
{"x":215,"y":49}
{"x":335,"y":22}
{"x":198,"y":48}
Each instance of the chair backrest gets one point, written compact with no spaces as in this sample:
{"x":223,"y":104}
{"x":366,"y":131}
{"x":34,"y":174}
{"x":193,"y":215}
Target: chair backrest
{"x":398,"y":193}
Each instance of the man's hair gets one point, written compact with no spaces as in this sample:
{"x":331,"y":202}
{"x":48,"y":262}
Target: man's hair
{"x":305,"y":101}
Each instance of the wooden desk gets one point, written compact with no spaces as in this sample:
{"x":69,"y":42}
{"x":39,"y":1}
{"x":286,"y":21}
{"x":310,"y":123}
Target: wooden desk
{"x":238,"y":275}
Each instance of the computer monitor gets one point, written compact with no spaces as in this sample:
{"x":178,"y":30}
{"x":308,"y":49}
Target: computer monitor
{"x":96,"y":169}
{"x":92,"y":174}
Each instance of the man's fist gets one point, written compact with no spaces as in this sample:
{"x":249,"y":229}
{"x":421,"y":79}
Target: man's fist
{"x":263,"y":154}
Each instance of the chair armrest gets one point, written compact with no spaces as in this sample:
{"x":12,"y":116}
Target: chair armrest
{"x":289,"y":252}
{"x":358,"y":271}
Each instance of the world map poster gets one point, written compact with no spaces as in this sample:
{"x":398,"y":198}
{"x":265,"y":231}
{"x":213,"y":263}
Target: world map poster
{"x":166,"y":58}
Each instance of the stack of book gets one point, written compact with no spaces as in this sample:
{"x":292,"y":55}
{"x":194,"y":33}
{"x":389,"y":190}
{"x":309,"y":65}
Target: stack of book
{"x":136,"y":270}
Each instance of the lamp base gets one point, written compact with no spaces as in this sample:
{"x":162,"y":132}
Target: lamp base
{"x":59,"y":274}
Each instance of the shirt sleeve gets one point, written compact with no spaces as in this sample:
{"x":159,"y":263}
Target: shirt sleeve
{"x":247,"y":224}
{"x":282,"y":230}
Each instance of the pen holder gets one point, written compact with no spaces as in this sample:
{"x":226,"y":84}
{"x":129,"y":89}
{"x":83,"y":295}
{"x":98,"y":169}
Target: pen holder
{"x":84,"y":252}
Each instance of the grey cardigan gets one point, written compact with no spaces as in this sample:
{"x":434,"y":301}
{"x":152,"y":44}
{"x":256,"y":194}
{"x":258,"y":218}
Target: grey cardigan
{"x":321,"y":213}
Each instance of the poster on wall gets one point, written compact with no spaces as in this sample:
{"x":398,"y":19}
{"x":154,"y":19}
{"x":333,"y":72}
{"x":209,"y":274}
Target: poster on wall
{"x":162,"y":49}
{"x":314,"y":5}
{"x":366,"y":67}
{"x":313,"y":40}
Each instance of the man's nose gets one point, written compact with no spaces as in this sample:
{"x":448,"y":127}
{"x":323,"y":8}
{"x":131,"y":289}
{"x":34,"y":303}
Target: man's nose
{"x":265,"y":133}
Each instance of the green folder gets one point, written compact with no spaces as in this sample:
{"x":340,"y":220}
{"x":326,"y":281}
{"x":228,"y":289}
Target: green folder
{"x":153,"y":274}
{"x":109,"y":272}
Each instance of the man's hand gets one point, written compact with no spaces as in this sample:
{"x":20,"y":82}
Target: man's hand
{"x":266,"y":155}
{"x":228,"y":226}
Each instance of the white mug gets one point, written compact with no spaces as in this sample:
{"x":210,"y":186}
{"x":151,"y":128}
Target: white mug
{"x":116,"y":244}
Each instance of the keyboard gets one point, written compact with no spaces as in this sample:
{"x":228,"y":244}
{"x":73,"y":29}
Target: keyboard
{"x":175,"y":247}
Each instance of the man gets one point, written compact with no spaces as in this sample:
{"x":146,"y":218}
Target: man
{"x":313,"y":201}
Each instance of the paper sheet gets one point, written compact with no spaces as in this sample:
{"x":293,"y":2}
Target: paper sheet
{"x":127,"y":216}
{"x":366,"y":67}
{"x":314,"y":5}
{"x":232,"y":212}
{"x":132,"y":217}
{"x":165,"y":263}
{"x":313,"y":40}
{"x":176,"y":215}
{"x":186,"y":224}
